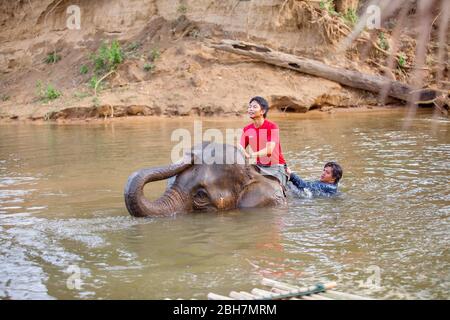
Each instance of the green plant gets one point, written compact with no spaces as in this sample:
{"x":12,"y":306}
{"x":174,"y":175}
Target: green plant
{"x":99,"y":58}
{"x":84,"y":69}
{"x":48,"y":92}
{"x":149,"y":67}
{"x":401,"y":60}
{"x":154,"y":54}
{"x":134,"y":46}
{"x":182,"y":8}
{"x":328,"y":5}
{"x":115,"y":54}
{"x":107,"y":58}
{"x":93,"y":82}
{"x":5,"y":97}
{"x":382,"y":42}
{"x":52,"y":58}
{"x":350,"y":17}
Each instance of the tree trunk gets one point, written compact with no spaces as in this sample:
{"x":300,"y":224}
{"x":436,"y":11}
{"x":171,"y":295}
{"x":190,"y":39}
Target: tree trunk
{"x":355,"y":79}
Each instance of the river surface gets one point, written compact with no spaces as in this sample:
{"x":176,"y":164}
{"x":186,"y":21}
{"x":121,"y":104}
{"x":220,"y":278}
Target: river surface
{"x":65,"y":232}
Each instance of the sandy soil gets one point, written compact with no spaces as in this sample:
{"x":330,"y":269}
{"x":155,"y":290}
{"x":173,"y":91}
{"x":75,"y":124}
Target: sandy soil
{"x":186,"y":77}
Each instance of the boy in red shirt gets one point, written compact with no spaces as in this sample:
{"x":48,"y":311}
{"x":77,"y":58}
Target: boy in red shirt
{"x":263,"y":137}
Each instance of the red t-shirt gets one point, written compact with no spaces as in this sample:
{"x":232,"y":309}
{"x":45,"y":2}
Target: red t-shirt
{"x":258,"y":139}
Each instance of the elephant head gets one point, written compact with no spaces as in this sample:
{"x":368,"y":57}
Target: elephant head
{"x":209,"y":185}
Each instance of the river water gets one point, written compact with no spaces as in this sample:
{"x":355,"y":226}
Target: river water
{"x":65,"y":232}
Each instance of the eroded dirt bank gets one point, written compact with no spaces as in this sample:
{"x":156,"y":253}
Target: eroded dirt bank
{"x":167,"y":67}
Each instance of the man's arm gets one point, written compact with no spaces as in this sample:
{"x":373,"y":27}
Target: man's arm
{"x":242,"y":145}
{"x":244,"y":139}
{"x":317,"y":188}
{"x":266,"y":152}
{"x":298,"y":182}
{"x":272,"y":137}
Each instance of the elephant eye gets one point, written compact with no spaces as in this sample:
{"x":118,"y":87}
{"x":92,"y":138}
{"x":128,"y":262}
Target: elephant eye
{"x":201,"y":194}
{"x":201,"y":199}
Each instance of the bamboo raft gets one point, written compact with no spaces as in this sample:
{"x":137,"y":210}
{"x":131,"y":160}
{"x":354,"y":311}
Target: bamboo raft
{"x":283,"y":291}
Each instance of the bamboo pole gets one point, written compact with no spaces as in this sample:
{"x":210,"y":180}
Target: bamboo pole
{"x":262,"y":293}
{"x":287,"y":290}
{"x":213,"y":296}
{"x":281,"y":290}
{"x":238,"y":296}
{"x":282,"y":293}
{"x":250,"y":296}
{"x":290,"y":287}
{"x":320,"y":297}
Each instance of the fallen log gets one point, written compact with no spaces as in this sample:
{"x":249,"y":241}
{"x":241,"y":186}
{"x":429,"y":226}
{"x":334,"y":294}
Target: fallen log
{"x":355,"y":79}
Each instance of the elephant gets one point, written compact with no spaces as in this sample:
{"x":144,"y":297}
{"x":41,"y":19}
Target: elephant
{"x":212,"y":184}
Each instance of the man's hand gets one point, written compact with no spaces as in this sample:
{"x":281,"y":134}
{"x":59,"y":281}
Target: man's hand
{"x":241,"y":148}
{"x":288,"y":171}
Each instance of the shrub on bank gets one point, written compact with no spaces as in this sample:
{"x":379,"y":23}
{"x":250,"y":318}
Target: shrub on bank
{"x":48,"y":92}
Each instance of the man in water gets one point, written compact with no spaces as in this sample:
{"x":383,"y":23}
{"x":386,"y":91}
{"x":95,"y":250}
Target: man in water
{"x":263,"y":138}
{"x":327,"y":186}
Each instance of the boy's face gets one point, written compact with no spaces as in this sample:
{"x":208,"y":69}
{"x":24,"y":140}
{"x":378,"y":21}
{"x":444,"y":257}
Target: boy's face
{"x":327,"y":175}
{"x":254,"y":110}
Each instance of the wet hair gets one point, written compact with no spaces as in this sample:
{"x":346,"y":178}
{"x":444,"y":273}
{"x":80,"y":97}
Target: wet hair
{"x":262,"y":103}
{"x":336,"y":171}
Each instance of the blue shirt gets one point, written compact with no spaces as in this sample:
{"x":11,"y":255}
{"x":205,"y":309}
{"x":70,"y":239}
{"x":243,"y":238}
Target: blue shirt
{"x":317,"y":188}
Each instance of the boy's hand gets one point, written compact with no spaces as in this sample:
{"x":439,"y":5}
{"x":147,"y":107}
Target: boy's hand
{"x":288,"y":171}
{"x":241,"y":148}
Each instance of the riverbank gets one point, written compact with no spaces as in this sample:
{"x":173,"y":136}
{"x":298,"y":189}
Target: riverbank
{"x":187,"y":79}
{"x":159,"y":61}
{"x":323,"y":113}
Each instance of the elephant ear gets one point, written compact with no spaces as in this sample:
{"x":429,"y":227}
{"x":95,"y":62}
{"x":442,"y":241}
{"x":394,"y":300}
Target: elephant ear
{"x":255,"y":195}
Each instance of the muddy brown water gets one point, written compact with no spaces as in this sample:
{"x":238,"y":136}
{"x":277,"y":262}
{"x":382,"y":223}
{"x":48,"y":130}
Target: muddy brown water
{"x":65,"y":232}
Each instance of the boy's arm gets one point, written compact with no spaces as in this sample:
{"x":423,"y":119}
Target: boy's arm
{"x":316,"y":187}
{"x":272,"y":136}
{"x":266,"y":152}
{"x":297,"y":181}
{"x":243,"y":143}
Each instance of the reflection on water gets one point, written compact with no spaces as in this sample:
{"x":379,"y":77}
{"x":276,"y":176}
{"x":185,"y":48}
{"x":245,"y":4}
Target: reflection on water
{"x":386,"y":235}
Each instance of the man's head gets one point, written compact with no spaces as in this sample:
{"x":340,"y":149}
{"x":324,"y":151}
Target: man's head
{"x":258,"y":106}
{"x":332,"y":173}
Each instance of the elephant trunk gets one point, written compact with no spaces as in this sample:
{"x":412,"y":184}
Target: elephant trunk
{"x":170,"y":202}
